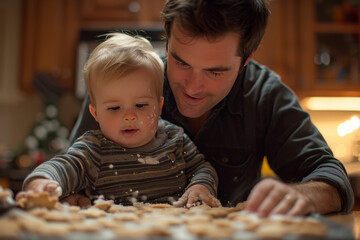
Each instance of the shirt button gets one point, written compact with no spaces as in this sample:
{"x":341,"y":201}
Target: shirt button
{"x":225,"y":160}
{"x":235,"y":179}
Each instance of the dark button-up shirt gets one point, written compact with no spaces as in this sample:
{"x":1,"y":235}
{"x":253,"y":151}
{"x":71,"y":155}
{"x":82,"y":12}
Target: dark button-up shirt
{"x":259,"y":117}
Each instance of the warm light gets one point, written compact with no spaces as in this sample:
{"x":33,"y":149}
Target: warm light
{"x":340,"y":151}
{"x":331,"y":103}
{"x":348,"y":126}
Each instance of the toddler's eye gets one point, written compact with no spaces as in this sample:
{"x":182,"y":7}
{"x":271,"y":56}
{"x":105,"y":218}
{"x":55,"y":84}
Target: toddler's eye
{"x":113,"y":108}
{"x":140,"y":105}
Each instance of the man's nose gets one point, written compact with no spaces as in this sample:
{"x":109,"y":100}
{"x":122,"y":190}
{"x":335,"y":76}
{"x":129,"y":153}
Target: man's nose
{"x":129,"y":116}
{"x":194,"y":83}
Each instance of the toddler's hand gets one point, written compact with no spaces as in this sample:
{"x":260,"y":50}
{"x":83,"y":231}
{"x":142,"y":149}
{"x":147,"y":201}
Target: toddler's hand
{"x":196,"y":193}
{"x":40,"y":185}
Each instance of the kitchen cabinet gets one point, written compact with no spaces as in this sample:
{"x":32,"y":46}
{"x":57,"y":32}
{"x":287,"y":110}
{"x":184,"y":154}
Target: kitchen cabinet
{"x":314,"y":45}
{"x":51,"y":30}
{"x":330,"y":40}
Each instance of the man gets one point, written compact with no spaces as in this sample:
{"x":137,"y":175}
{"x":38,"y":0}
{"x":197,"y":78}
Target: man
{"x":237,"y":112}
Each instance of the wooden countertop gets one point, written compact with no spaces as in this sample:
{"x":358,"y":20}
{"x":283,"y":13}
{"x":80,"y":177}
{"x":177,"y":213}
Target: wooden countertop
{"x":351,"y":221}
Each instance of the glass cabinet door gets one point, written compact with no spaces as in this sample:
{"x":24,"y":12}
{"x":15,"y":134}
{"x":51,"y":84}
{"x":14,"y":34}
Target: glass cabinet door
{"x":331,"y":30}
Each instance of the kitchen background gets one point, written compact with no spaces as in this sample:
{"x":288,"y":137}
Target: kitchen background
{"x":313,"y":45}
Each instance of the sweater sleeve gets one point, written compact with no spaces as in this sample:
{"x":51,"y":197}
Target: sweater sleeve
{"x":72,"y":170}
{"x":198,"y":171}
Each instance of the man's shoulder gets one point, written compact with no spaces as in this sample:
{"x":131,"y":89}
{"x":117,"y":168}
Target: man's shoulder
{"x":255,"y":71}
{"x":259,"y":79}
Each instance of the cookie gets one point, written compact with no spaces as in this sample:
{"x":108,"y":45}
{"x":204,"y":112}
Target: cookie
{"x":103,"y":204}
{"x":92,"y":212}
{"x":87,"y":227}
{"x":209,"y":230}
{"x":61,"y":216}
{"x":9,"y":228}
{"x":126,"y":217}
{"x":120,"y":208}
{"x":198,"y":218}
{"x":41,"y":199}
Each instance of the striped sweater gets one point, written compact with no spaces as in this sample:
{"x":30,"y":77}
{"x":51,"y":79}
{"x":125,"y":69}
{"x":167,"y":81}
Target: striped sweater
{"x":163,"y":168}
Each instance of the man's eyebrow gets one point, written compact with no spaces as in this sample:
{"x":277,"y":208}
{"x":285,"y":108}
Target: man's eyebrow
{"x":211,"y":69}
{"x":178,"y":58}
{"x":218,"y":69}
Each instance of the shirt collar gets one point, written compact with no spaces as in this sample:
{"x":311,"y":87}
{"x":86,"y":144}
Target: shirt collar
{"x":235,"y":97}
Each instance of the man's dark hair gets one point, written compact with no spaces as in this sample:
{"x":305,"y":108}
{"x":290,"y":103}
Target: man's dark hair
{"x":213,"y":18}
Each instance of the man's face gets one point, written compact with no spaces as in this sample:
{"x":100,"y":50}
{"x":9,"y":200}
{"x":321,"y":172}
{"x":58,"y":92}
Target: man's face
{"x":201,"y":72}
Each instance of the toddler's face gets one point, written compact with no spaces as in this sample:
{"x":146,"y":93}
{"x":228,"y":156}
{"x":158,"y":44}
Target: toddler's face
{"x":127,"y":109}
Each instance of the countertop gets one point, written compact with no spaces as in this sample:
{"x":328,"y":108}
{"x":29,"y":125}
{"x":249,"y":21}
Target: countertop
{"x":350,"y":221}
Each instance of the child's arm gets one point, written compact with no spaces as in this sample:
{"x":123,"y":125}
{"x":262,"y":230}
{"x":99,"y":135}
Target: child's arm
{"x":40,"y":184}
{"x":203,"y":179}
{"x":70,"y":170}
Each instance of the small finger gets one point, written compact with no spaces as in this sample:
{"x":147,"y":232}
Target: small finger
{"x":20,"y":195}
{"x":214,"y":202}
{"x":181,"y":201}
{"x":209,"y":200}
{"x":192,"y":199}
{"x":52,"y":188}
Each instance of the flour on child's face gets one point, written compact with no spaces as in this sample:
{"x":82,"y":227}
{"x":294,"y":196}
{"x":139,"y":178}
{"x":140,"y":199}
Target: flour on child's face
{"x":128,"y":109}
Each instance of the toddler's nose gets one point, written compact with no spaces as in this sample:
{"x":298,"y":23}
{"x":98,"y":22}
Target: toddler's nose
{"x":129,"y":116}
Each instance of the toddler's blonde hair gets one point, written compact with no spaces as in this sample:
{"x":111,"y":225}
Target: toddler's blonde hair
{"x":119,"y":55}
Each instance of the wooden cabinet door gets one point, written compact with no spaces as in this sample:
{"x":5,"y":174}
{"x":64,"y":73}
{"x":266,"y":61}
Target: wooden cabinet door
{"x":124,"y":10}
{"x":48,"y":41}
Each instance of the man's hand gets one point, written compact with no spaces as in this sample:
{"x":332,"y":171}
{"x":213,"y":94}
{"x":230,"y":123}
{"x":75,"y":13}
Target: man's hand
{"x":77,"y":200}
{"x":196,"y":193}
{"x":40,"y":185}
{"x":274,"y":197}
{"x":270,"y":197}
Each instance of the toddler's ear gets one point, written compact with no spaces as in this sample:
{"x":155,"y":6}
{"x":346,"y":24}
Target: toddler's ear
{"x":161,"y":103}
{"x":92,"y":109}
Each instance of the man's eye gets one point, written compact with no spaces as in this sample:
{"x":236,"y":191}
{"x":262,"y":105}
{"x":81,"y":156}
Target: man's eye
{"x":113,"y":108}
{"x":141,"y":105}
{"x":216,"y":74}
{"x":181,"y":64}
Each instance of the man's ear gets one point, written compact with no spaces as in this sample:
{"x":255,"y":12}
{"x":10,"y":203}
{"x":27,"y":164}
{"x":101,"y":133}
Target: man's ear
{"x":248,"y":59}
{"x":92,"y":109}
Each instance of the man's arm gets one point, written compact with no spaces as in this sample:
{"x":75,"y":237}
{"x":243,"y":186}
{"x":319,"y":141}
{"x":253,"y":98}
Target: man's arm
{"x":298,"y":153}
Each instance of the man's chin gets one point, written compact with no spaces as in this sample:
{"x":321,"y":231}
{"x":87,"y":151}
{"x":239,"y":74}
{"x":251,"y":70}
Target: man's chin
{"x":191,"y":113}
